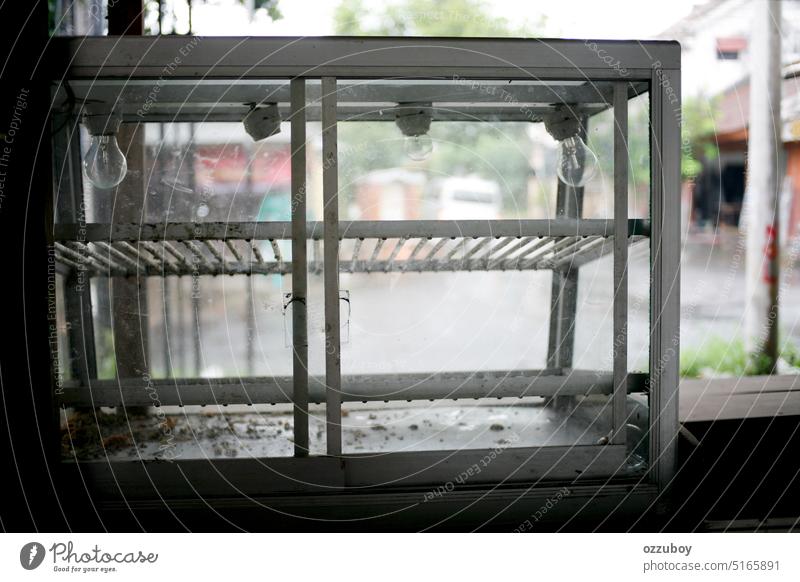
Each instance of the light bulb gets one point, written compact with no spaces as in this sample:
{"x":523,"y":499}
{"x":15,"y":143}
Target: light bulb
{"x":104,"y":163}
{"x":418,"y":147}
{"x":203,"y":210}
{"x":576,"y":162}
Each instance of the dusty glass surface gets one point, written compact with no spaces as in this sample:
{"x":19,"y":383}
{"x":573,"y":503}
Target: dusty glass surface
{"x":437,"y":150}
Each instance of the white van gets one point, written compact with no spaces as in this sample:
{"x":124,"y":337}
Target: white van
{"x":464,"y":198}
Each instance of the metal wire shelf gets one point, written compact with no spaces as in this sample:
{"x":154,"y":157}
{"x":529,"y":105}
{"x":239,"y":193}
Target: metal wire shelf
{"x":183,"y":249}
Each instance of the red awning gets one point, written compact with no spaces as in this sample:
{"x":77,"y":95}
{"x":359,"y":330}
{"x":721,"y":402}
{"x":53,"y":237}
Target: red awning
{"x":731,"y":44}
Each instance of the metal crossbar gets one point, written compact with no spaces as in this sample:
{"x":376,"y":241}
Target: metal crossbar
{"x":355,"y":388}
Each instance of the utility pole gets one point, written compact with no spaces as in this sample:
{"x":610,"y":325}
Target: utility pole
{"x":763,"y":155}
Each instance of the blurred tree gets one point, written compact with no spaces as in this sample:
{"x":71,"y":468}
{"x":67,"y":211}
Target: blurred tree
{"x":697,"y":140}
{"x":271,"y":6}
{"x":601,"y":139}
{"x":496,"y":151}
{"x":698,"y":127}
{"x":456,"y":18}
{"x":159,"y":11}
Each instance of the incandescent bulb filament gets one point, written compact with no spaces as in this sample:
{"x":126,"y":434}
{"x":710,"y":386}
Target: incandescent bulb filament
{"x":577,"y":163}
{"x":104,"y":163}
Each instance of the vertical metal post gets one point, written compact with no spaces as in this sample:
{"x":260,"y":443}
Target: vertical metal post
{"x":196,"y":321}
{"x":665,"y":107}
{"x":250,"y":325}
{"x":564,"y":288}
{"x":250,"y":295}
{"x":330,"y":200}
{"x":181,"y":327}
{"x":77,"y":286}
{"x":166,"y":304}
{"x":80,"y":331}
{"x":620,"y":343}
{"x":299,"y":271}
{"x":67,"y":168}
{"x":195,"y":294}
{"x":167,"y":313}
{"x":129,"y":298}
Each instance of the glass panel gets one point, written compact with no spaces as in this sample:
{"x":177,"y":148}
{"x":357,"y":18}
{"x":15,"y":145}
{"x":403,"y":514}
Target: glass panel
{"x":491,"y":156}
{"x":457,"y":149}
{"x":599,"y":193}
{"x":485,"y":160}
{"x":155,"y":324}
{"x":446,"y":322}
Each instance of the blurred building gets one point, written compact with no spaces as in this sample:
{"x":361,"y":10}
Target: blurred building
{"x":389,"y":194}
{"x":716,"y":67}
{"x":215,"y":172}
{"x":401,"y":194}
{"x":714,"y":38}
{"x":720,"y":188}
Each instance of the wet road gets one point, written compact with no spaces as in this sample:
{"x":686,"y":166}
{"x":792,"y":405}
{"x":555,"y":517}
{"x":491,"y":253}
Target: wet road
{"x":457,"y":321}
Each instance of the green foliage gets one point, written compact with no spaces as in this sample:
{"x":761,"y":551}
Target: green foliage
{"x":498,"y":152}
{"x":347,"y":18}
{"x":698,"y":125}
{"x":457,"y":18}
{"x":106,"y":357}
{"x":600,"y":137}
{"x":152,"y":7}
{"x":697,"y":138}
{"x":271,"y":6}
{"x":716,"y":356}
{"x":790,"y":354}
{"x":728,"y":357}
{"x":51,"y":17}
{"x":364,"y":147}
{"x":494,"y":152}
{"x":759,"y":365}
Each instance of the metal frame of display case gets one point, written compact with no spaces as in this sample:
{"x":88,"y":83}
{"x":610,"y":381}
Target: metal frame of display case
{"x":214,"y":81}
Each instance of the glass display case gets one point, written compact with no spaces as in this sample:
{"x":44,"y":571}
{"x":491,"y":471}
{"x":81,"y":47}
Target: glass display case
{"x":325,"y":266}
